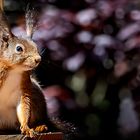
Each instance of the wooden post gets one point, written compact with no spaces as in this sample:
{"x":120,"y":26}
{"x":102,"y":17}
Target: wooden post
{"x":43,"y":136}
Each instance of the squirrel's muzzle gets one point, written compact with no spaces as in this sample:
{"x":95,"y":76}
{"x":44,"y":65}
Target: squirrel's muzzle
{"x":37,"y":59}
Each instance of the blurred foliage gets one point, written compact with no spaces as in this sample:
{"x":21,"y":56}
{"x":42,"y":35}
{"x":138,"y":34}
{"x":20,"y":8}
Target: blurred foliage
{"x":90,"y":50}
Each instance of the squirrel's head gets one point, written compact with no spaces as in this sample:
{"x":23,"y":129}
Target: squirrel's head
{"x":18,"y":52}
{"x":21,"y":53}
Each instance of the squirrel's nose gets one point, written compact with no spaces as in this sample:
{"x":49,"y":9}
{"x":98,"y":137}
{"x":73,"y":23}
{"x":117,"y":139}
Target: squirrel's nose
{"x":37,"y":59}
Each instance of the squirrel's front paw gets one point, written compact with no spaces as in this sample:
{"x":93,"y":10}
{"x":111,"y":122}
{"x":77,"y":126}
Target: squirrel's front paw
{"x":41,"y":128}
{"x":27,"y":131}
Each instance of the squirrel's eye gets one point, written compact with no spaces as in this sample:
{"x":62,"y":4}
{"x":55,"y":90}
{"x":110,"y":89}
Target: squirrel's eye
{"x":19,"y":49}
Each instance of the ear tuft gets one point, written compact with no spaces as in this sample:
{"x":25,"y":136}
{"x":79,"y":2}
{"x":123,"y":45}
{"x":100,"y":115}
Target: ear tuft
{"x":30,"y":21}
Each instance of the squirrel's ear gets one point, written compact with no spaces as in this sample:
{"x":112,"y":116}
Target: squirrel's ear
{"x":5,"y":36}
{"x":5,"y":32}
{"x":30,"y":21}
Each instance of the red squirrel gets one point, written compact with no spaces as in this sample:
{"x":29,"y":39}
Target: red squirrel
{"x":22,"y":104}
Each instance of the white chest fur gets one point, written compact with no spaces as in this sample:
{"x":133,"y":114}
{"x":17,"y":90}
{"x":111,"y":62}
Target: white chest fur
{"x":10,"y":93}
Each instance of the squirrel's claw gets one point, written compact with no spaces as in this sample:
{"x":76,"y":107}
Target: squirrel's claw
{"x":32,"y":133}
{"x":28,"y":132}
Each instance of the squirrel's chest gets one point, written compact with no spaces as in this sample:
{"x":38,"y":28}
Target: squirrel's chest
{"x":10,"y":91}
{"x":10,"y":94}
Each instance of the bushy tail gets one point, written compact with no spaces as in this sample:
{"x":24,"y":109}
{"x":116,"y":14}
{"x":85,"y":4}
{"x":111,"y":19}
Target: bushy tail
{"x":69,"y":130}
